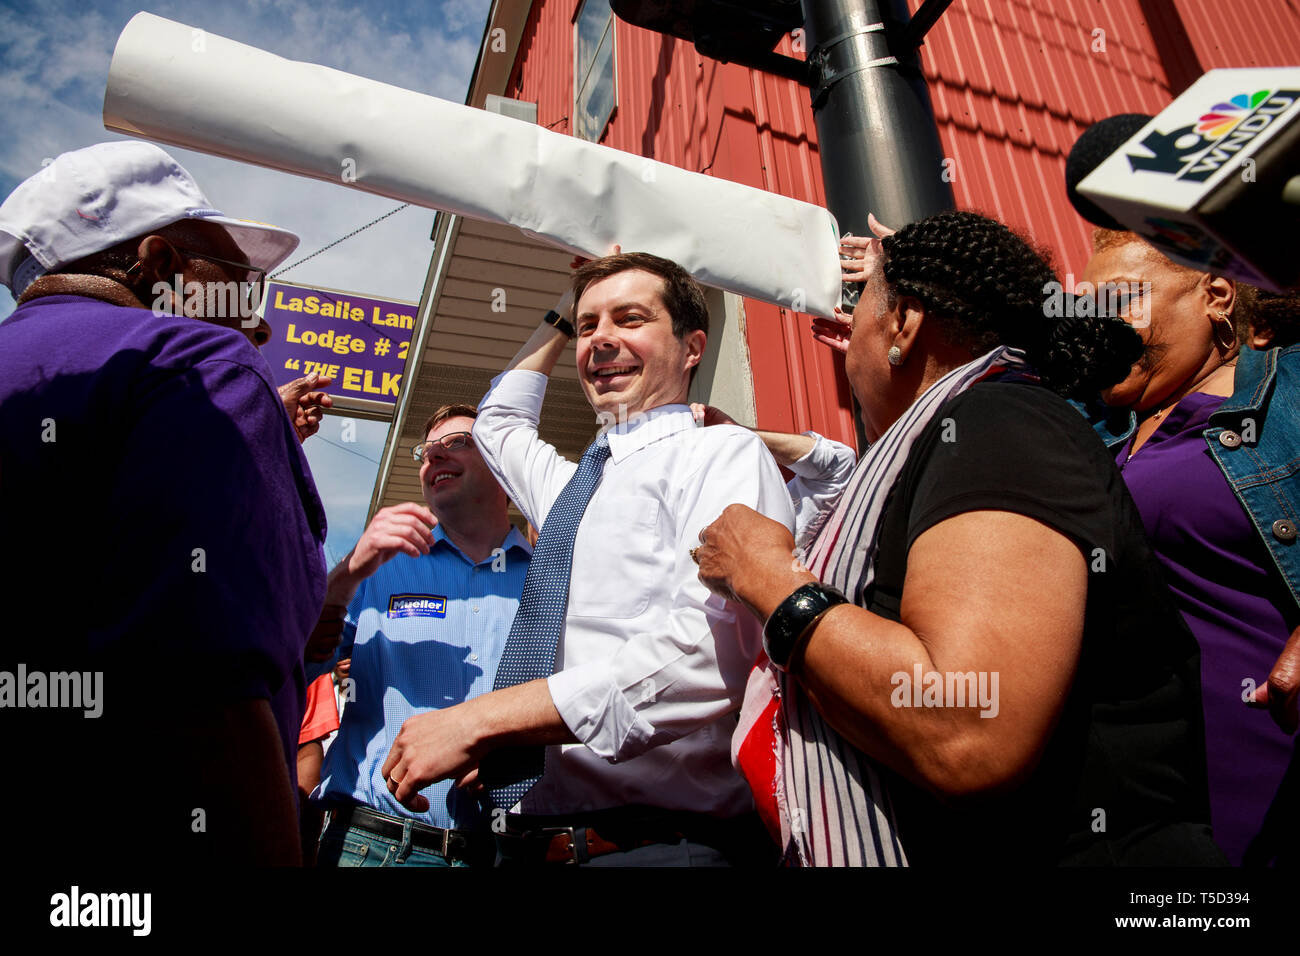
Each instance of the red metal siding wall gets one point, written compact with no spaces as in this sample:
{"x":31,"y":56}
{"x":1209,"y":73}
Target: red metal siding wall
{"x":1013,"y":83}
{"x":1243,"y":32}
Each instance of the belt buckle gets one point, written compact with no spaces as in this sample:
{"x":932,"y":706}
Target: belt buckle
{"x":446,"y":838}
{"x":553,"y":832}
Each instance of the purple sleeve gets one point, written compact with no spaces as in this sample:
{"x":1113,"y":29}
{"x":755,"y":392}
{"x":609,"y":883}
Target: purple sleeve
{"x":213,"y":516}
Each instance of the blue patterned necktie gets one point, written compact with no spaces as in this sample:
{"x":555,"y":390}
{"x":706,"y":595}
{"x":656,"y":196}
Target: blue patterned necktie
{"x":535,"y":634}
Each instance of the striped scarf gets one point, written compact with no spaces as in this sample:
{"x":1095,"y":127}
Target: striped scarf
{"x":831,"y":801}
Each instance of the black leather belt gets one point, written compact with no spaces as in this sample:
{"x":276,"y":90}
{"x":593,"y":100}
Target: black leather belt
{"x":578,"y":838}
{"x":459,"y":846}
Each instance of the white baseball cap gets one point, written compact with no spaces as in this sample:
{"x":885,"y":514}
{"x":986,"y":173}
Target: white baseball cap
{"x":91,"y":199}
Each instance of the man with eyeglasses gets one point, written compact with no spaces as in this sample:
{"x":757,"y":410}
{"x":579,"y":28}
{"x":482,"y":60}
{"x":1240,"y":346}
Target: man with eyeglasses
{"x":430,"y":594}
{"x":163,"y":535}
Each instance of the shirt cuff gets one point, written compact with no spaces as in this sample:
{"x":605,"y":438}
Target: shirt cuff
{"x":596,"y":711}
{"x":821,"y":460}
{"x":519,"y":389}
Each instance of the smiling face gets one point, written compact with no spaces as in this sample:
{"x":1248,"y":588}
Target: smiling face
{"x":627,"y":352}
{"x":457,"y":480}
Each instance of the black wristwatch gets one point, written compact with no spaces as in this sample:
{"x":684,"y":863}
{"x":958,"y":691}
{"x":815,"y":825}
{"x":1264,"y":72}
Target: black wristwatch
{"x":560,"y":322}
{"x":794,"y":619}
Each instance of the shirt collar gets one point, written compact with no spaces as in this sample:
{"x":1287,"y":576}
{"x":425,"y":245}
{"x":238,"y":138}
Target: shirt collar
{"x":516,"y":540}
{"x":513,"y":539}
{"x":1191,"y":414}
{"x":645,"y":428}
{"x":1252,"y":382}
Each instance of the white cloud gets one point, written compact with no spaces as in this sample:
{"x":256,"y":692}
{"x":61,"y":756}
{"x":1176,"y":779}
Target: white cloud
{"x":54,"y":64}
{"x":54,"y":59}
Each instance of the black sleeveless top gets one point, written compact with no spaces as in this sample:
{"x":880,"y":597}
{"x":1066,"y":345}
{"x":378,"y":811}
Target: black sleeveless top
{"x":1122,"y":779}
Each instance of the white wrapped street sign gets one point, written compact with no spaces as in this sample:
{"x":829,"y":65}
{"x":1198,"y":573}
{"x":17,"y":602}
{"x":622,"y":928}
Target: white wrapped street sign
{"x":180,"y":85}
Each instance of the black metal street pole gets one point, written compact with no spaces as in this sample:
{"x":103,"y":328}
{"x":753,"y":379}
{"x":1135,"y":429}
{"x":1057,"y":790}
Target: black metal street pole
{"x":879,"y":144}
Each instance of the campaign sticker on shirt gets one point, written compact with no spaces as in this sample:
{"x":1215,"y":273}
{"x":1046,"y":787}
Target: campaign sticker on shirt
{"x":417,"y":605}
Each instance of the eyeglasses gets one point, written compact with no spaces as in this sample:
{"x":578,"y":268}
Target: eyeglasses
{"x":451,"y":441}
{"x":250,"y":277}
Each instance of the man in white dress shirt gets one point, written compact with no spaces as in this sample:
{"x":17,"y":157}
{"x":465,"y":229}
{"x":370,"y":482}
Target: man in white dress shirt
{"x":650,"y":670}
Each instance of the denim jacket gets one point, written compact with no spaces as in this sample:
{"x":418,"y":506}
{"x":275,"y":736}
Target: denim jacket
{"x":1254,"y":436}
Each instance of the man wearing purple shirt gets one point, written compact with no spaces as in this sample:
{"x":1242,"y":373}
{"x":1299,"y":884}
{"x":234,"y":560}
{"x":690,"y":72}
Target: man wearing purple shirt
{"x":162,"y":532}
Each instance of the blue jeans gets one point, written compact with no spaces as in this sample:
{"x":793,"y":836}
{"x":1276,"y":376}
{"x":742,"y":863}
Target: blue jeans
{"x":353,"y":846}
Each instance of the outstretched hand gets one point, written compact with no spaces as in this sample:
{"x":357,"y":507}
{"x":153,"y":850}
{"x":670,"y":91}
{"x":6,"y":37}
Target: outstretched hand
{"x":580,"y":261}
{"x":1281,"y":692}
{"x":708,"y":415}
{"x":565,"y":306}
{"x":305,"y":404}
{"x":834,"y":332}
{"x":745,"y":556}
{"x":859,"y":255}
{"x":405,"y":527}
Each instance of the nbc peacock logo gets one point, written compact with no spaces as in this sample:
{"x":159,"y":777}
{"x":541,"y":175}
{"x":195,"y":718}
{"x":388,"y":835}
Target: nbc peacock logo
{"x":1224,"y":116}
{"x":1217,"y":140}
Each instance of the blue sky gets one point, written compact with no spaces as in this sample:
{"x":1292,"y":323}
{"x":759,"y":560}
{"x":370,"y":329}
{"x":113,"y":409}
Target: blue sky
{"x":54,"y":59}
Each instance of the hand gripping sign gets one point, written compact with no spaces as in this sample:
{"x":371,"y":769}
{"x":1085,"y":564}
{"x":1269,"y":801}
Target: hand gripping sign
{"x":237,"y":101}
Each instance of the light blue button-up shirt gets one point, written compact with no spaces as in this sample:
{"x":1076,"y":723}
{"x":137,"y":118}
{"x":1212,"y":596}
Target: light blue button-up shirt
{"x":429,"y":633}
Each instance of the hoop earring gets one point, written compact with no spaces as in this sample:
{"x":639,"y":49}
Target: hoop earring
{"x":1232,"y":333}
{"x":895,"y":355}
{"x":134,"y":276}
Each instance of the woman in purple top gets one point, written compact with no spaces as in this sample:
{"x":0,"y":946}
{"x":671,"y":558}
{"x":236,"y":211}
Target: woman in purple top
{"x":1222,"y":524}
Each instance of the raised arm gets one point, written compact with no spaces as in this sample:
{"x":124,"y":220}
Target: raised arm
{"x":547,"y":343}
{"x":531,"y":471}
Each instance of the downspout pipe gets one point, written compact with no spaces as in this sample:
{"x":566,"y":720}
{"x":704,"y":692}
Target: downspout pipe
{"x":877,"y":137}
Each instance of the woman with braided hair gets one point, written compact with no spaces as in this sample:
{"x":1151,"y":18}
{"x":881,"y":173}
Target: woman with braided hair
{"x":976,"y":661}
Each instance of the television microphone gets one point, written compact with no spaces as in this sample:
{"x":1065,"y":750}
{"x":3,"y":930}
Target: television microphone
{"x":1213,"y":181}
